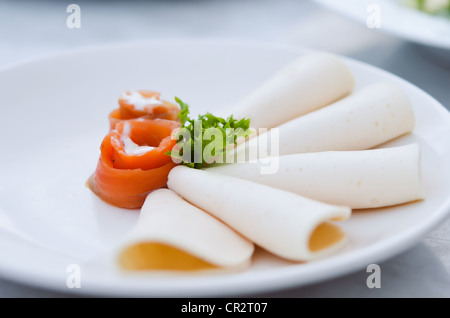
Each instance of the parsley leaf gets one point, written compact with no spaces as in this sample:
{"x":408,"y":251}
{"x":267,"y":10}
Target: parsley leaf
{"x":205,"y":140}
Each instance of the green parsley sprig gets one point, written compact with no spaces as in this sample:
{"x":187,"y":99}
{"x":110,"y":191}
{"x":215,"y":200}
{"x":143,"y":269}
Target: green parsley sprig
{"x":205,"y":140}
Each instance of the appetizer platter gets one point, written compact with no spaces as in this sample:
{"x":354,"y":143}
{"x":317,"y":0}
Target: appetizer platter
{"x":319,"y":166}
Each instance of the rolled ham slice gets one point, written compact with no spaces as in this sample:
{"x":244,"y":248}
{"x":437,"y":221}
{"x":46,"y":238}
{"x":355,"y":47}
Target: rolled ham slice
{"x":172,"y":234}
{"x":286,"y":224}
{"x":306,"y":84}
{"x":358,"y":179}
{"x":363,"y":120}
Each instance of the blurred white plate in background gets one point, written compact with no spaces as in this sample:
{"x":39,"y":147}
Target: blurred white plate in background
{"x":397,"y":19}
{"x":55,"y":112}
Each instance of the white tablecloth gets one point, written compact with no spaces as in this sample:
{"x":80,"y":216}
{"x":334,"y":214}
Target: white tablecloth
{"x":30,"y":29}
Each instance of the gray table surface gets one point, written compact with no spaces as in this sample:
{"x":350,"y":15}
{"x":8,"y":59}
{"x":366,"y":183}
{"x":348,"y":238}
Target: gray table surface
{"x":30,"y":29}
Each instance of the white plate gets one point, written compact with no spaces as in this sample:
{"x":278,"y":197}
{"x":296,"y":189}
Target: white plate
{"x":54,"y":116}
{"x":398,"y":19}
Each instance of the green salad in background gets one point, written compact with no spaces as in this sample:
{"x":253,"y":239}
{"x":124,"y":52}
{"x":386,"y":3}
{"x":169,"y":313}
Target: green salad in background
{"x":435,"y":7}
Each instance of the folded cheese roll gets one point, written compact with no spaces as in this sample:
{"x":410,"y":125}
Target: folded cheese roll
{"x":172,"y":234}
{"x":359,"y":179}
{"x":283,"y":223}
{"x":363,"y":120}
{"x":304,"y":85}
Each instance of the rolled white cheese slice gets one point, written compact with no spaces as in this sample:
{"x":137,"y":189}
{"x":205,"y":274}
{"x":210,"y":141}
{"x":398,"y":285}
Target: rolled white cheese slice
{"x":283,"y":223}
{"x":304,"y":85}
{"x":363,"y":120}
{"x":358,"y":179}
{"x":172,"y":234}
